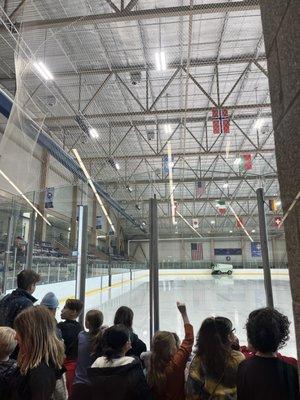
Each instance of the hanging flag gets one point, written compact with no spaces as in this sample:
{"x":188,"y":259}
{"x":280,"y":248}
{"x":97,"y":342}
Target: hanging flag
{"x":246,"y":162}
{"x":221,"y":206}
{"x":277,"y":221}
{"x":220,"y":120}
{"x":273,"y":205}
{"x":239,"y":223}
{"x":196,"y":251}
{"x":49,"y":196}
{"x":165,"y":164}
{"x":200,"y":188}
{"x":195,"y":223}
{"x":99,"y":222}
{"x":255,"y":249}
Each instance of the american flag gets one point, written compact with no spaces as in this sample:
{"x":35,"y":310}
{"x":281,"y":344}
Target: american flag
{"x":197,"y":251}
{"x":220,"y":120}
{"x":200,"y":188}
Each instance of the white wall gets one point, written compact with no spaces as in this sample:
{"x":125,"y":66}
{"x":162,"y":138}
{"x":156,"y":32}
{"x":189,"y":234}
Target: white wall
{"x":177,"y":250}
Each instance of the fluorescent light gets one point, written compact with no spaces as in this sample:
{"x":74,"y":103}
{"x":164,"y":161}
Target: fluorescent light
{"x":93,"y":133}
{"x":160,"y":61}
{"x":212,"y":222}
{"x":253,"y":231}
{"x":101,"y":237}
{"x":225,"y":186}
{"x":168,"y":129}
{"x":230,"y":231}
{"x":259,"y":123}
{"x":144,"y":223}
{"x":91,"y":183}
{"x":43,"y":70}
{"x":237,"y":161}
{"x":117,"y":165}
{"x":24,"y":197}
{"x":278,"y":203}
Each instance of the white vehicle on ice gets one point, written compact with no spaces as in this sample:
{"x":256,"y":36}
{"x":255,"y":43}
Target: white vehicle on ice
{"x":218,"y":269}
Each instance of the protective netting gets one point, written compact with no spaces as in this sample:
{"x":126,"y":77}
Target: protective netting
{"x":129,"y":76}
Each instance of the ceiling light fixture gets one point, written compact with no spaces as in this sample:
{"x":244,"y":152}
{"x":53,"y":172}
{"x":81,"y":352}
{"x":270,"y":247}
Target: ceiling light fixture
{"x":117,"y":165}
{"x":212,"y":222}
{"x":24,"y":196}
{"x":225,"y":186}
{"x":160,"y":60}
{"x":230,"y":231}
{"x":93,"y":133}
{"x":259,"y":123}
{"x":43,"y":70}
{"x":91,"y":183}
{"x":168,"y":129}
{"x":253,"y":231}
{"x":129,"y":188}
{"x":237,"y":161}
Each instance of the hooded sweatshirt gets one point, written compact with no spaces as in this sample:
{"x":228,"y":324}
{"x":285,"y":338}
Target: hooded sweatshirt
{"x":119,"y":379}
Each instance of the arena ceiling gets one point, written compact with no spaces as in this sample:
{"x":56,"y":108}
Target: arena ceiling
{"x":103,"y":56}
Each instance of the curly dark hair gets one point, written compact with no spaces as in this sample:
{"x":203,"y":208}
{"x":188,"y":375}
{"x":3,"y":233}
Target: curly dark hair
{"x":267,"y":330}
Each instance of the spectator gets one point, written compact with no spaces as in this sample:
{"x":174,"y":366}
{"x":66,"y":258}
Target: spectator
{"x":124,"y":316}
{"x":50,"y":301}
{"x":212,"y":372}
{"x":7,"y":366}
{"x":167,"y":363}
{"x":70,"y":329}
{"x":86,"y":350}
{"x":116,"y":376}
{"x":20,"y":299}
{"x":41,"y":354}
{"x":265,"y":376}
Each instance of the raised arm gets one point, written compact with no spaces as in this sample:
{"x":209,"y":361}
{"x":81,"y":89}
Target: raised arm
{"x":185,"y":349}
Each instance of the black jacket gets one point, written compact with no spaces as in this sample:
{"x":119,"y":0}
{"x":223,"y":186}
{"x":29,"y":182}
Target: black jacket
{"x":126,"y":382}
{"x":7,"y":371}
{"x":69,"y":332}
{"x":137,"y":346}
{"x":12,"y":304}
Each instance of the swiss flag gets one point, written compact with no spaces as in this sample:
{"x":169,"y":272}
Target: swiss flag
{"x":220,"y":120}
{"x":277,"y":221}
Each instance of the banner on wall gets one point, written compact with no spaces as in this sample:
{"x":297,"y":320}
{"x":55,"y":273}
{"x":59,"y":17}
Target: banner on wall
{"x":99,"y":222}
{"x":228,"y":252}
{"x":255,"y":249}
{"x":49,"y":196}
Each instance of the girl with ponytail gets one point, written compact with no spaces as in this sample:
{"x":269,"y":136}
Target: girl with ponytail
{"x":213,"y":371}
{"x":116,"y":376}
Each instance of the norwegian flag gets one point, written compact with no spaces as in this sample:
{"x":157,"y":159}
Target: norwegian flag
{"x":220,"y":120}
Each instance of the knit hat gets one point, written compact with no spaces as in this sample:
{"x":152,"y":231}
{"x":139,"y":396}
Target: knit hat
{"x":50,"y":301}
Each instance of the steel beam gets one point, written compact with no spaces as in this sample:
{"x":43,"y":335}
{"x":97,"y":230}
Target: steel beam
{"x":125,"y":15}
{"x":82,"y":251}
{"x":184,"y":154}
{"x":119,"y":69}
{"x":200,"y":200}
{"x":153,"y":113}
{"x":224,"y":178}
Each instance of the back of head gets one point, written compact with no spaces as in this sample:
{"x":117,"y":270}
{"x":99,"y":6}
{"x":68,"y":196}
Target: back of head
{"x":7,"y":341}
{"x":74,"y":305}
{"x":36,"y":330}
{"x":124,"y":316}
{"x":163,"y":347}
{"x":114,"y":339}
{"x":267,"y":330}
{"x":94,"y":321}
{"x":50,"y":301}
{"x":27,"y":278}
{"x":213,"y":345}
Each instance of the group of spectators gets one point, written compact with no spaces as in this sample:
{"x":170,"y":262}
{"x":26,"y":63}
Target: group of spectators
{"x":41,"y":359}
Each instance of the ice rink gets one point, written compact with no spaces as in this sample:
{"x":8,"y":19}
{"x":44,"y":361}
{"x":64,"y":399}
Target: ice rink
{"x":204,"y":295}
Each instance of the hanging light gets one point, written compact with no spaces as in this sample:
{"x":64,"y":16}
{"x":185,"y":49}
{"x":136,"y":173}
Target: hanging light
{"x":160,"y":61}
{"x":43,"y":70}
{"x":93,"y":133}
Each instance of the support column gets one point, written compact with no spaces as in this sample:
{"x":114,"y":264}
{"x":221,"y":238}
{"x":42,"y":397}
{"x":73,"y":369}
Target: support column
{"x":274,"y":250}
{"x":30,"y":244}
{"x":40,"y":232}
{"x":264,"y":247}
{"x":281,"y":20}
{"x":243,"y":245}
{"x":153,"y":268}
{"x":72,"y":240}
{"x":94,"y":220}
{"x":212,"y":250}
{"x":11,"y":223}
{"x":81,"y":256}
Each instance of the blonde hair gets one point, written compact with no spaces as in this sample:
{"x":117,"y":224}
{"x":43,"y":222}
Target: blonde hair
{"x":36,"y":328}
{"x":7,"y":341}
{"x":163,"y":348}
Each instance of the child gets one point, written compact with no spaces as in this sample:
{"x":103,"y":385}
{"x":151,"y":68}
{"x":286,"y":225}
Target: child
{"x":70,"y":329}
{"x":7,"y":366}
{"x":167,"y":363}
{"x":265,"y":375}
{"x":86,"y":350}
